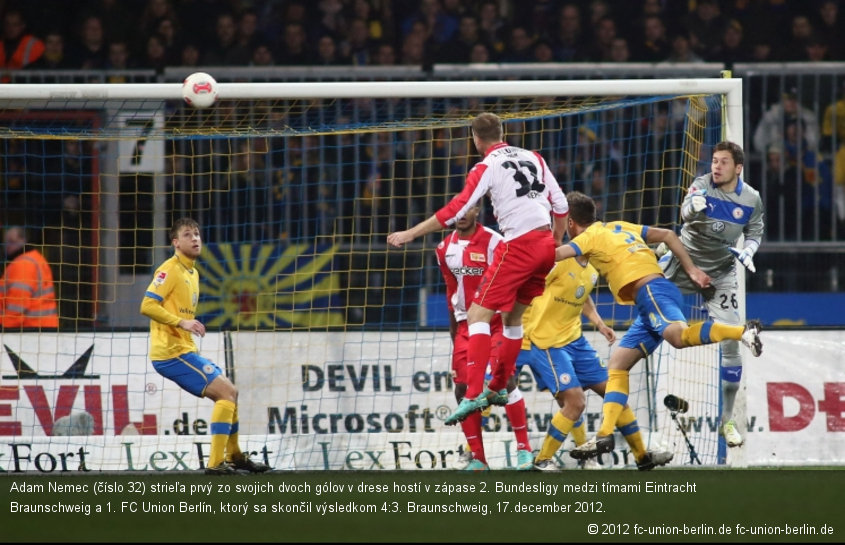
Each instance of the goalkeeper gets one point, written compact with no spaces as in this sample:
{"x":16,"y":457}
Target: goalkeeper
{"x":718,"y":210}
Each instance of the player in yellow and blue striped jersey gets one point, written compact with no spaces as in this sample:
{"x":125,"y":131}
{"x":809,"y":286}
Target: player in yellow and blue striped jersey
{"x":619,"y":251}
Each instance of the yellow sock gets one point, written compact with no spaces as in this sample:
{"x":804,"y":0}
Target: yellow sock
{"x":710,"y":332}
{"x":627,"y":424}
{"x":559,"y":428}
{"x":221,"y":426}
{"x":615,"y":399}
{"x":233,"y":449}
{"x":579,"y":432}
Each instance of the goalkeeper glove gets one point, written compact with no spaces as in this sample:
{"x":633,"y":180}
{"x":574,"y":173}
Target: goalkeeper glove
{"x":745,"y":257}
{"x":699,"y":201}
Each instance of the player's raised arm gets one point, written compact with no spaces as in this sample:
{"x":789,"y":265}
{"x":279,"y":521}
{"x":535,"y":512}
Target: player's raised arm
{"x":564,"y":251}
{"x":399,"y":238}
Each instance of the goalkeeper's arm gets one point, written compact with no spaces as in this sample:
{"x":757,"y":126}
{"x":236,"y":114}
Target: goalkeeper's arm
{"x":746,"y":255}
{"x":694,"y":203}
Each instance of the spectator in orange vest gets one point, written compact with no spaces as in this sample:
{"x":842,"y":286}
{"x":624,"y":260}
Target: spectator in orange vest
{"x":17,"y":48}
{"x":27,"y":299}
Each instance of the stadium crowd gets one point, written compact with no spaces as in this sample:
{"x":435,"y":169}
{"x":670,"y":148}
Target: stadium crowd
{"x":152,"y":34}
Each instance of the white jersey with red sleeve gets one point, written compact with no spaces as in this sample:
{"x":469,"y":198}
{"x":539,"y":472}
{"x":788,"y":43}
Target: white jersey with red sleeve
{"x":521,"y":187}
{"x":462,"y":262}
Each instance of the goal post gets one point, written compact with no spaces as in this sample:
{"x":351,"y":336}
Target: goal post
{"x":339,"y":345}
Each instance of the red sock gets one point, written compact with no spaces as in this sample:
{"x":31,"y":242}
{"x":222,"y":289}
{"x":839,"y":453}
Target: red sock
{"x":519,"y":423}
{"x":472,"y":431}
{"x":478,"y":352}
{"x":504,"y":370}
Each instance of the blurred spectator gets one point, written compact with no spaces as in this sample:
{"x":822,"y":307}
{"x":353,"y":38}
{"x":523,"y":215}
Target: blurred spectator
{"x":597,"y":171}
{"x":27,"y":297}
{"x":118,"y":60}
{"x":358,"y":46}
{"x":262,"y":55}
{"x":385,"y":54}
{"x":492,"y":27}
{"x":598,"y":10}
{"x":118,"y":56}
{"x":362,"y":9}
{"x":833,"y":133}
{"x":155,"y":54}
{"x":331,"y":19}
{"x":543,"y":51}
{"x":294,"y":48}
{"x":413,"y":49}
{"x":828,"y":26}
{"x":458,"y":49}
{"x":18,"y":48}
{"x":793,"y":48}
{"x":190,"y":55}
{"x":120,"y":18}
{"x":652,"y":44}
{"x":569,"y":40}
{"x":248,"y":35}
{"x":539,"y":16}
{"x":154,"y":12}
{"x":732,"y":49}
{"x":226,"y":51}
{"x":761,"y":51}
{"x":780,"y":195}
{"x":603,"y":35}
{"x":91,"y":51}
{"x":761,"y":19}
{"x":772,"y":126}
{"x":480,"y":53}
{"x":169,"y":31}
{"x":658,"y":8}
{"x":327,"y":53}
{"x":705,"y":26}
{"x":815,"y":49}
{"x":54,"y":57}
{"x":619,"y":51}
{"x":520,"y":47}
{"x":441,"y":25}
{"x":814,"y":177}
{"x":682,"y":50}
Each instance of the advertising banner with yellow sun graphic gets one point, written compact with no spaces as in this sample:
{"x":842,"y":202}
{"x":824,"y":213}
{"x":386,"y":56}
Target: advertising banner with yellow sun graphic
{"x":269,"y":286}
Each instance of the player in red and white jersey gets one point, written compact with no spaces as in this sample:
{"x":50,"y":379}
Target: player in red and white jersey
{"x":463,"y":256}
{"x":524,"y":192}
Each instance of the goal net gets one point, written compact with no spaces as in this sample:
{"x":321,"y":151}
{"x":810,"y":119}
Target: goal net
{"x":338,"y":345}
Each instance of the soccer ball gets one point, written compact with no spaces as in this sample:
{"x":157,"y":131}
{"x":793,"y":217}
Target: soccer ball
{"x":199,"y":90}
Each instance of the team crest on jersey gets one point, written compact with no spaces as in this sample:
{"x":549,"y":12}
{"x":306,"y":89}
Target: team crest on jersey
{"x":565,"y":378}
{"x":475,"y":256}
{"x":579,"y":292}
{"x":594,"y":279}
{"x":718,"y":226}
{"x":737,"y":213}
{"x":159,"y":278}
{"x":207,"y":368}
{"x":655,"y":320}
